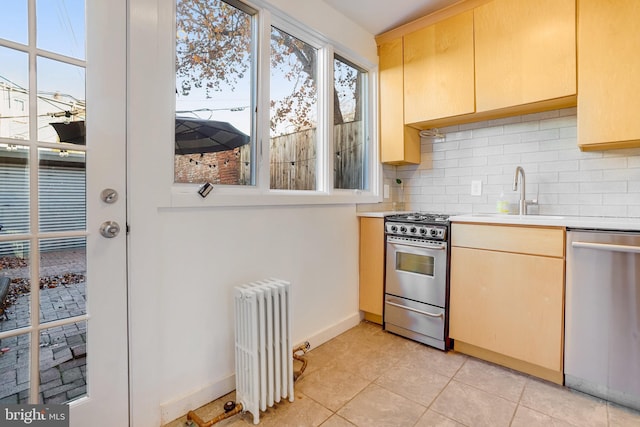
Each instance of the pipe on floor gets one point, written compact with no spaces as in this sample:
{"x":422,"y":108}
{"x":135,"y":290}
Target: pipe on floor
{"x":303,"y":348}
{"x":193,"y":417}
{"x":230,"y":411}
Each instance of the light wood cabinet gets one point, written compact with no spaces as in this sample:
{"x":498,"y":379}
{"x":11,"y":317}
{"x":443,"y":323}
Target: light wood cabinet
{"x":438,"y":70}
{"x":372,"y":267}
{"x":399,"y":144}
{"x":507,"y":296}
{"x":525,"y":52}
{"x":609,"y":74}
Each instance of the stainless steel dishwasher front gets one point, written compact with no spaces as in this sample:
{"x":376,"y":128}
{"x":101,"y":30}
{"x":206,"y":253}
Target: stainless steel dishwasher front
{"x":602,"y":315}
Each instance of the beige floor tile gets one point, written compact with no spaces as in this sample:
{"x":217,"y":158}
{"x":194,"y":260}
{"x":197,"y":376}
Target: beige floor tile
{"x":473,"y":407}
{"x":429,"y":358}
{"x":434,"y":419}
{"x":526,"y":417}
{"x":302,"y":412}
{"x":367,"y":377}
{"x":622,"y":417}
{"x":331,"y":387}
{"x":337,"y":421}
{"x":420,"y":385}
{"x":378,"y":407}
{"x":492,"y":379}
{"x":559,"y":402}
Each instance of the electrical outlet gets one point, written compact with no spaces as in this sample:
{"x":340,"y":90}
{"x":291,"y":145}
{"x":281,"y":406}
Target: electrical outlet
{"x":385,"y":191}
{"x":476,"y":188}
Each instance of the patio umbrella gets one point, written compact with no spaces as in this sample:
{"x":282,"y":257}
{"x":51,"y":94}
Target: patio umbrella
{"x":193,"y":135}
{"x":206,"y":136}
{"x":71,"y":132}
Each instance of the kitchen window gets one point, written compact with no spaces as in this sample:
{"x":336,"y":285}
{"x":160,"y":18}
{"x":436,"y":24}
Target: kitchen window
{"x":350,"y":148}
{"x":293,"y":125}
{"x":295,"y":107}
{"x":215,"y":76}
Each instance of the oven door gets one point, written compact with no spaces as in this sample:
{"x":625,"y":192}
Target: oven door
{"x":417,"y":271}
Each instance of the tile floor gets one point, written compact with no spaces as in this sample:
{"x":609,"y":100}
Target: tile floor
{"x":367,"y":377}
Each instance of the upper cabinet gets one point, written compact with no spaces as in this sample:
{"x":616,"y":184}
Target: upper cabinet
{"x":525,"y":52}
{"x":438,"y":70}
{"x":480,"y":60}
{"x":609,"y":74}
{"x":398,"y":144}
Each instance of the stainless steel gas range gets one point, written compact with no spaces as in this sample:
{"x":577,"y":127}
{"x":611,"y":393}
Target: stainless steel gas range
{"x":417,"y":277}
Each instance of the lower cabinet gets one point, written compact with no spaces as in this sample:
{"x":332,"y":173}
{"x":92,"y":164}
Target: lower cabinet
{"x":507,"y":296}
{"x":372,"y":268}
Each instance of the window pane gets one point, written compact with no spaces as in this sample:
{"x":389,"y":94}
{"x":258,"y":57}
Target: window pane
{"x":15,"y":13}
{"x":14,"y":94}
{"x":61,"y":98}
{"x":214,"y":93}
{"x":294,"y":113}
{"x":349,"y":137}
{"x":15,"y":309}
{"x":62,"y":278}
{"x":63,"y":363}
{"x":61,"y":190}
{"x":61,"y":27}
{"x":14,"y":189}
{"x":14,"y":370}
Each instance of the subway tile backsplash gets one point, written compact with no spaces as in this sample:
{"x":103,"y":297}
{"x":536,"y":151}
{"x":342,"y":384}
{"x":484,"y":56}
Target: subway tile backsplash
{"x":564,"y":180}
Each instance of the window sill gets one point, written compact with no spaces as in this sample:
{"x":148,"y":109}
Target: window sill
{"x":186,"y":196}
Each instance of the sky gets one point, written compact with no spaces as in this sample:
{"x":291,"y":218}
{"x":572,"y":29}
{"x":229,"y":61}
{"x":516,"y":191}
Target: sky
{"x":60,"y":29}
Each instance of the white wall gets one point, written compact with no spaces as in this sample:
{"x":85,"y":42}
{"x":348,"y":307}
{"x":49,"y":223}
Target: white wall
{"x":184,"y":262}
{"x":565,"y":180}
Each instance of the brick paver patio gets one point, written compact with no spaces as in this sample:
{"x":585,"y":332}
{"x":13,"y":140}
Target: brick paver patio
{"x":62,"y":349}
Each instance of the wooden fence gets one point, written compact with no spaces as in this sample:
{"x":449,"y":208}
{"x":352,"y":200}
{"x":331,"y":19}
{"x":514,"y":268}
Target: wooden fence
{"x":293,"y":162}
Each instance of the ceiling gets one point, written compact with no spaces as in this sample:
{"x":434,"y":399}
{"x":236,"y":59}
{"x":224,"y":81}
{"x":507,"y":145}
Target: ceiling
{"x":378,"y":16}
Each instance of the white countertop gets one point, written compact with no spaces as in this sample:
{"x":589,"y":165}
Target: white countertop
{"x":380,"y":214}
{"x":590,"y":222}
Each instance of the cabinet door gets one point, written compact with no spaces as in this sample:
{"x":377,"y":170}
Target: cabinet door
{"x":371,"y":265}
{"x":525,"y":52}
{"x":438,"y":70}
{"x":608,"y":80}
{"x":397,"y":144}
{"x":508,"y":303}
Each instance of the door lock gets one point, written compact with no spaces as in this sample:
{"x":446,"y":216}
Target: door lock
{"x":109,"y":229}
{"x":109,"y":195}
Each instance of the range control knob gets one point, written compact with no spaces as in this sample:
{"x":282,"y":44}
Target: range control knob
{"x":403,"y":229}
{"x":434,"y":232}
{"x":394,"y":228}
{"x":423,"y":231}
{"x":413,"y":230}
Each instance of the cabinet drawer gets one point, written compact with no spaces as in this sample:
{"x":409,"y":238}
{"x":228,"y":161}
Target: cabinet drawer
{"x":525,"y":240}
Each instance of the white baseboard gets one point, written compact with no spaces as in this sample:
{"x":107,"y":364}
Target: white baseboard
{"x":333,"y":331}
{"x":176,"y":408}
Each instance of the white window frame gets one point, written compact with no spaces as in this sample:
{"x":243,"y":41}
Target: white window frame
{"x":186,"y":195}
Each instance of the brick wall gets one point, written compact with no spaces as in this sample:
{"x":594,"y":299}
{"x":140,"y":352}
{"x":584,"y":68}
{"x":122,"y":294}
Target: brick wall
{"x":217,"y":168}
{"x":565,"y":180}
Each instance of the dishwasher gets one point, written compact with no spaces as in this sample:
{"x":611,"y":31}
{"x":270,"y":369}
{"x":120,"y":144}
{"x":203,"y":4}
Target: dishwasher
{"x":602,"y":315}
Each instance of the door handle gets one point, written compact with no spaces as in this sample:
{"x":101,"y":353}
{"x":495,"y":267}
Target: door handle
{"x":109,"y":229}
{"x":607,"y":247}
{"x":415,"y":310}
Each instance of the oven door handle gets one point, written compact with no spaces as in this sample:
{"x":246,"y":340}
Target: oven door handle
{"x":417,"y":245}
{"x":415,"y":310}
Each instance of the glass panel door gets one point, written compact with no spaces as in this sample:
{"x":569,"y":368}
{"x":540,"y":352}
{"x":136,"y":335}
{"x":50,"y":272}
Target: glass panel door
{"x":52,"y":331}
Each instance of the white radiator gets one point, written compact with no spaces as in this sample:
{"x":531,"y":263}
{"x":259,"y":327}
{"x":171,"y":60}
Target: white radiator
{"x":264,"y":351}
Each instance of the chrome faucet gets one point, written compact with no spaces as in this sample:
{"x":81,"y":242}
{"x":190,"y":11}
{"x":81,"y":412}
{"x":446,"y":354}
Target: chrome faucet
{"x":522,"y":205}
